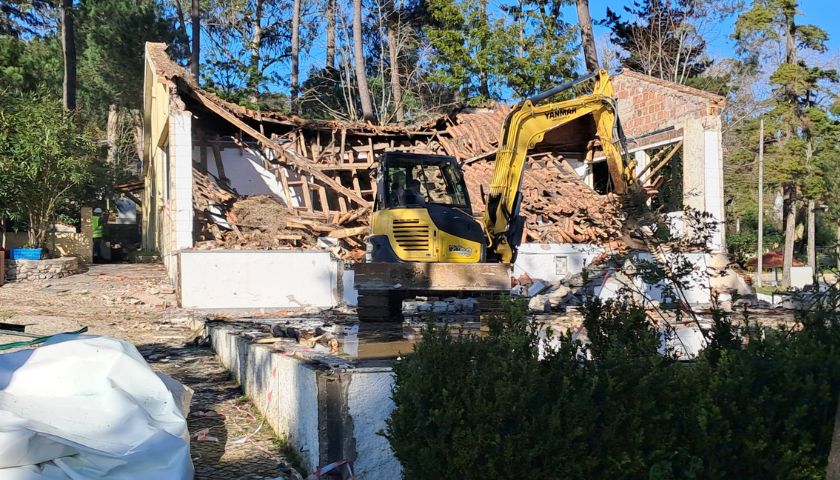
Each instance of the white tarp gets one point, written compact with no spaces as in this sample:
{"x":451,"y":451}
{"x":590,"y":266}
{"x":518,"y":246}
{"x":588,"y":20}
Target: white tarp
{"x":86,"y":407}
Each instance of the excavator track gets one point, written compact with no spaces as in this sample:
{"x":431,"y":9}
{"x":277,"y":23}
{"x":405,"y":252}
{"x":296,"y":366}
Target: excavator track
{"x":382,"y":287}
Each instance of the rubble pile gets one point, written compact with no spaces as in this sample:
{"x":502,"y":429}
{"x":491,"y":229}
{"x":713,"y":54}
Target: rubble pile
{"x":262,"y":222}
{"x":558,"y":206}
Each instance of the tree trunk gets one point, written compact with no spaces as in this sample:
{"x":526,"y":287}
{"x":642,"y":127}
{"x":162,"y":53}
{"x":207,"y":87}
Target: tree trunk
{"x":254,"y":75}
{"x":182,"y":23}
{"x":790,"y":231}
{"x":393,"y":54}
{"x":359,"y":60}
{"x":295,"y":55}
{"x":484,"y":85}
{"x":590,"y":53}
{"x":790,"y":41}
{"x":111,"y":134}
{"x":68,"y":46}
{"x":812,"y":251}
{"x":195,"y":51}
{"x":330,"y":63}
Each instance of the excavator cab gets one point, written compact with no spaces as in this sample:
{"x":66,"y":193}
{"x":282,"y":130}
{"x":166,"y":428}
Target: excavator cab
{"x":422,"y":212}
{"x":424,"y":239}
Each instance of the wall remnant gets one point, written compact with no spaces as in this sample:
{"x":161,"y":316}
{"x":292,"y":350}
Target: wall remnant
{"x":29,"y":270}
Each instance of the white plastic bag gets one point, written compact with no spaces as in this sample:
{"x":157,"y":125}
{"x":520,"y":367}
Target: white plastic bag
{"x":86,"y":407}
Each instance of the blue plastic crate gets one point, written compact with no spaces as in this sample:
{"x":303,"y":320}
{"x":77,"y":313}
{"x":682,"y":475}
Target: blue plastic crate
{"x":25,"y":254}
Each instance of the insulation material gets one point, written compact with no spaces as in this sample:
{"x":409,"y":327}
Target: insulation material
{"x":82,"y":407}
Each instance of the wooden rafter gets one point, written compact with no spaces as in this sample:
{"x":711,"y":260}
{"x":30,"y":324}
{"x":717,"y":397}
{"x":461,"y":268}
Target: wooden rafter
{"x":284,"y":155}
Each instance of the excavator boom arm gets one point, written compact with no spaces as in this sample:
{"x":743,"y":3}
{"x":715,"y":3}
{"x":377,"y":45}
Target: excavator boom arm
{"x":525,"y":127}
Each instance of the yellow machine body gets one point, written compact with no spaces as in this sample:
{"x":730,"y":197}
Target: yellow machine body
{"x":414,"y":237}
{"x":434,"y":223}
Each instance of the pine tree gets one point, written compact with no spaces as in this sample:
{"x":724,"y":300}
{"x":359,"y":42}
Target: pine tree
{"x":773,"y":22}
{"x":359,"y":63}
{"x":537,"y":49}
{"x":111,"y":43}
{"x":463,"y":40}
{"x":480,"y":53}
{"x":248,"y":38}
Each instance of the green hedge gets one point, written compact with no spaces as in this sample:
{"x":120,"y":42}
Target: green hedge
{"x":490,"y":408}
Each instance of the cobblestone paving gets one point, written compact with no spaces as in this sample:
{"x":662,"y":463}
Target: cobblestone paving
{"x":133,"y":302}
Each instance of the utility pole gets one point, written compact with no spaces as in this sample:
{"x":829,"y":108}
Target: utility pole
{"x":760,"y":265}
{"x":812,"y":250}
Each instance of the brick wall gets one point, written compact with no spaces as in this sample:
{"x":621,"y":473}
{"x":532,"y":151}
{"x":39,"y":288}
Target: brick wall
{"x":647,"y":104}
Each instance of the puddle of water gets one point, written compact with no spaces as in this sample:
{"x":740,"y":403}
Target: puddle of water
{"x":372,"y":341}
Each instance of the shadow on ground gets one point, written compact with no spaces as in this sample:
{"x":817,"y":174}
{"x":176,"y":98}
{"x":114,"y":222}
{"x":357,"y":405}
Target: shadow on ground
{"x":229,"y":439}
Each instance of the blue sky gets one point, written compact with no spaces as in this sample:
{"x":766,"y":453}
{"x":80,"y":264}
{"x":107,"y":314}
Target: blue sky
{"x":823,"y":13}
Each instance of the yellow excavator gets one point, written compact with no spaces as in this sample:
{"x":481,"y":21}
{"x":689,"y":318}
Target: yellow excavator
{"x":424,"y":240}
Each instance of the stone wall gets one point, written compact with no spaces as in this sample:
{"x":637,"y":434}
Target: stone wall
{"x":28,"y":270}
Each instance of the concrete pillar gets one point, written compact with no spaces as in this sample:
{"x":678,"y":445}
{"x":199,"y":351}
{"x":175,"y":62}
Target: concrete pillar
{"x":693,"y":163}
{"x":181,"y":181}
{"x":713,"y":185}
{"x":642,"y":159}
{"x":87,"y":233}
{"x":703,"y":173}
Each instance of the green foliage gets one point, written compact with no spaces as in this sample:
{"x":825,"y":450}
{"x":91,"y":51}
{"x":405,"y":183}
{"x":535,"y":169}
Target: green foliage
{"x":25,"y":17}
{"x":479,"y":54}
{"x":470,"y":407}
{"x":111,"y":41}
{"x":537,"y":49}
{"x":46,"y":158}
{"x":30,"y":65}
{"x":247,"y":37}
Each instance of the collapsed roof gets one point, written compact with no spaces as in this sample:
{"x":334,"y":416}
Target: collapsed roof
{"x":325,"y":169}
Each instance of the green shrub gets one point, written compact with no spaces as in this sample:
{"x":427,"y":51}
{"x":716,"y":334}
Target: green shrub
{"x":495,"y":407}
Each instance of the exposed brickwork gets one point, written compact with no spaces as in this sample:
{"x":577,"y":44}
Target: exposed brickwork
{"x":647,"y":104}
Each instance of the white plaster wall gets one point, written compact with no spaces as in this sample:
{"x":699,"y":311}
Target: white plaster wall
{"x":641,"y":158}
{"x":297,"y":406}
{"x":261,"y":382}
{"x":369,"y":404}
{"x":801,"y":277}
{"x":180,"y":165}
{"x":255,"y":279}
{"x":245,"y":170}
{"x":284,"y":389}
{"x":693,"y":165}
{"x":540,"y":261}
{"x":232,"y":351}
{"x":697,"y":293}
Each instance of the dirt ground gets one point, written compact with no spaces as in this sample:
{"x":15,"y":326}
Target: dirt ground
{"x":133,"y":302}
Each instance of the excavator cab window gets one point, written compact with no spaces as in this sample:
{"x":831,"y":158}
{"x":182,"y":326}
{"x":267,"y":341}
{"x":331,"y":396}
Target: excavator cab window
{"x":420,"y":180}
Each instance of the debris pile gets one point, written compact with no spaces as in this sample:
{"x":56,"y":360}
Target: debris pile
{"x":558,"y":206}
{"x":262,"y":222}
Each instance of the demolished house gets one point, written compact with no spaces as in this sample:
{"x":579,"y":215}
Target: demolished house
{"x":254,"y":209}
